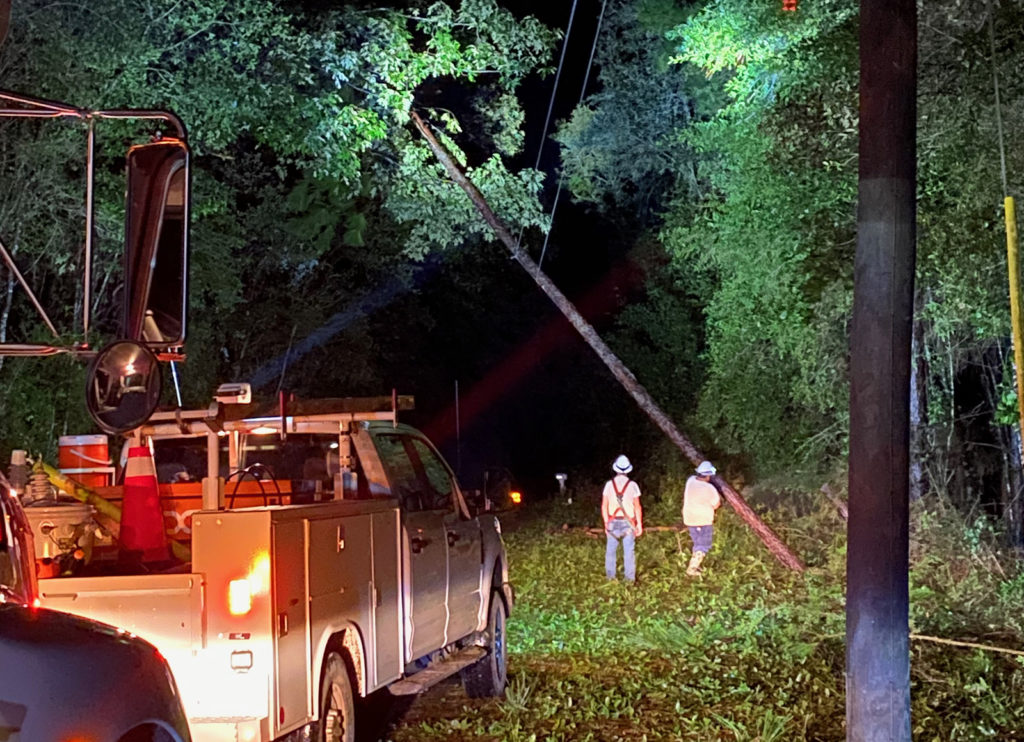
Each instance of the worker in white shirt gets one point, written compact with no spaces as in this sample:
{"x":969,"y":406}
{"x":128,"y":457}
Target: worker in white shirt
{"x":700,"y":501}
{"x":623,"y":519}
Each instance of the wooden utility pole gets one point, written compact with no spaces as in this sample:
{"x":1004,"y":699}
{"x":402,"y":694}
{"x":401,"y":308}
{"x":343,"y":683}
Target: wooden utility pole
{"x":617,"y":367}
{"x":877,"y":601}
{"x":5,"y":18}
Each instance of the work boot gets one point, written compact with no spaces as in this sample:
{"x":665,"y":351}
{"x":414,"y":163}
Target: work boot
{"x":693,"y":570}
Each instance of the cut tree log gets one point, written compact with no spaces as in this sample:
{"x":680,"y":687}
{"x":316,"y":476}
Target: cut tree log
{"x":597,"y":531}
{"x":615,"y":365}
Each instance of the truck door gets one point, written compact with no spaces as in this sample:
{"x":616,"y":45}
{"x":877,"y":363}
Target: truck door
{"x":424,"y":546}
{"x":462,"y":534}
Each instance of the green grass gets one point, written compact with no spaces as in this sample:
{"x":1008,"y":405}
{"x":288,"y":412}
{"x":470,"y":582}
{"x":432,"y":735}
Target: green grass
{"x":750,"y":652}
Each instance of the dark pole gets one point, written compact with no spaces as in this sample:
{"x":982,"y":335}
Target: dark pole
{"x":5,"y":18}
{"x":877,"y":633}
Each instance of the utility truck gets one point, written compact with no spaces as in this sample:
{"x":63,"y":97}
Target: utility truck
{"x":333,"y":554}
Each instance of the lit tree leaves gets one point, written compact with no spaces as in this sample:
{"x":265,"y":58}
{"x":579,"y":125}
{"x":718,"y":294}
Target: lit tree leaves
{"x":307,"y":181}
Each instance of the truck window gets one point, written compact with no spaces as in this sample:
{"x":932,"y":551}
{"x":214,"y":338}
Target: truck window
{"x":418,"y":478}
{"x":182,"y":459}
{"x":439,"y":481}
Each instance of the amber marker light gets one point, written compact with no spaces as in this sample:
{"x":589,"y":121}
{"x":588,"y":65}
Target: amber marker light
{"x":517,"y":497}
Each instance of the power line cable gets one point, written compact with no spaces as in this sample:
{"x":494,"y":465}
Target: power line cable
{"x":551,"y":101}
{"x":554,"y":88}
{"x":583,"y":94}
{"x":995,"y":85}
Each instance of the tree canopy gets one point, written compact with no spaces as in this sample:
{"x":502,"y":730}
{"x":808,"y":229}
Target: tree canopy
{"x":712,"y":169}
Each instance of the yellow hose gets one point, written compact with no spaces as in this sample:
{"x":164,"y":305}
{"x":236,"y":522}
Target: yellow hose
{"x":102,"y":506}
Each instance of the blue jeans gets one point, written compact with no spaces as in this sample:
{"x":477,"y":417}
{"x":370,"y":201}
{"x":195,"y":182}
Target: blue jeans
{"x":620,"y":529}
{"x":701,"y":537}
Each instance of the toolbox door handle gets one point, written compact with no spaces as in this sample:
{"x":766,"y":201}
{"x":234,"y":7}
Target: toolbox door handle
{"x":282,"y":624}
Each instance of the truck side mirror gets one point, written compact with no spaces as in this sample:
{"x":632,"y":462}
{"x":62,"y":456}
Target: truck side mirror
{"x":122,"y":386}
{"x":156,"y":244}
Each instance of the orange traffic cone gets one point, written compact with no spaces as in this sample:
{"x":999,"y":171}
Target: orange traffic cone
{"x":142,"y":519}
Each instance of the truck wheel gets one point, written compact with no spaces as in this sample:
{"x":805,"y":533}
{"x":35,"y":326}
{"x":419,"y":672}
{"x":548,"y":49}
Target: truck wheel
{"x":337,"y":706}
{"x":487,"y":677}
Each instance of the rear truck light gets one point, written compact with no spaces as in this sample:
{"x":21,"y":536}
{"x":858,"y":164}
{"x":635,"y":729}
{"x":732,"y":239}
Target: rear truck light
{"x":239,"y":597}
{"x":517,"y":497}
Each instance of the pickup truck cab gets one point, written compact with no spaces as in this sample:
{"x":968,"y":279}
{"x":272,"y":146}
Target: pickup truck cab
{"x":332,"y":555}
{"x":66,"y":677}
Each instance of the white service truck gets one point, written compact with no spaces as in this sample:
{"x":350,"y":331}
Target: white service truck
{"x":358,"y":567}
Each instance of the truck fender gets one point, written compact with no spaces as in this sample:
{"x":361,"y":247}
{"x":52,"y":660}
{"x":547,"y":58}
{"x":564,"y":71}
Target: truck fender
{"x":346,"y":640}
{"x":493,"y":568}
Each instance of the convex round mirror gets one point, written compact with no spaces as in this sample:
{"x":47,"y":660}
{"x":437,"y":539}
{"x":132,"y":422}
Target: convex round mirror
{"x":123,"y":386}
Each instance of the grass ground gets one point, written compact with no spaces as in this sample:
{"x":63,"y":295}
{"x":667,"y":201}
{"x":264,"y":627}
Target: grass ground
{"x":750,"y":652}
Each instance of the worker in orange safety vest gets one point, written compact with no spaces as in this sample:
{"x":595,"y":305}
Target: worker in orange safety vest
{"x":700,"y":501}
{"x":623,"y":519}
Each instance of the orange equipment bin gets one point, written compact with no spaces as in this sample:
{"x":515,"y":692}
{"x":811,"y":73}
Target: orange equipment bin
{"x":86,"y":459}
{"x":182,"y":499}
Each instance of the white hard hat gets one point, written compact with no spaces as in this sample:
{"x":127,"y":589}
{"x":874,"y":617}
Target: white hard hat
{"x":705,"y":468}
{"x":622,"y":465}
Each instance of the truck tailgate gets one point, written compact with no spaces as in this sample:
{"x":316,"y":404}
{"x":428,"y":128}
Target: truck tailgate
{"x":165,"y":610}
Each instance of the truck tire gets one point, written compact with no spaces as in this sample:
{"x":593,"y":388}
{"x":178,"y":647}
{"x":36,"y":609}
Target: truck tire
{"x":487,"y":678}
{"x":337,"y":704}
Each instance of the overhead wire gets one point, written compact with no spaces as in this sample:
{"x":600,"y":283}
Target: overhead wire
{"x":583,"y":95}
{"x":554,"y":88}
{"x":999,"y":114}
{"x":551,"y":100}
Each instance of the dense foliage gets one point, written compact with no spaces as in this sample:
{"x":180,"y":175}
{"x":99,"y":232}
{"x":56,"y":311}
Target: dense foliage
{"x":712,"y":169}
{"x":712,"y":172}
{"x":311,"y":192}
{"x":747,"y":178}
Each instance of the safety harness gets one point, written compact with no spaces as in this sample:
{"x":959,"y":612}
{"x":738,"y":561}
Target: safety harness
{"x":620,"y":511}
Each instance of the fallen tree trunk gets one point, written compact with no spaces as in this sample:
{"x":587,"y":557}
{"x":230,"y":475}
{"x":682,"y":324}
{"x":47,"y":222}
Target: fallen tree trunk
{"x":616,"y":366}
